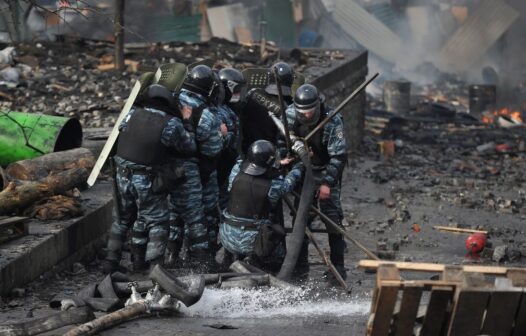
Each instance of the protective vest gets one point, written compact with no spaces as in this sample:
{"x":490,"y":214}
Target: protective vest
{"x":140,"y":141}
{"x":321,"y":155}
{"x":249,"y":197}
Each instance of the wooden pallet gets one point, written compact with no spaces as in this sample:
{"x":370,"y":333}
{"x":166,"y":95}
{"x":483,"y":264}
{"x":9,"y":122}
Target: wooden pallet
{"x":462,"y":302}
{"x":11,"y":228}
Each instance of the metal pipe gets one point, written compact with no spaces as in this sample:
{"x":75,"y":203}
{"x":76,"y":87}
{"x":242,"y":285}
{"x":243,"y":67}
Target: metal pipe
{"x":335,"y":226}
{"x":341,"y":106}
{"x":300,"y":222}
{"x":242,"y":267}
{"x":283,"y":110}
{"x":188,"y":293}
{"x":28,"y":135}
{"x":322,"y":254}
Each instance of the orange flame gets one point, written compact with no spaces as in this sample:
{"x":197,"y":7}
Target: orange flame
{"x":490,"y":118}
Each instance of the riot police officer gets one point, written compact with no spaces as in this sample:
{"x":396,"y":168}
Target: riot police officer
{"x":255,"y":121}
{"x":250,"y":227}
{"x":329,"y":156}
{"x":234,"y":85}
{"x":194,"y":202}
{"x":147,"y":134}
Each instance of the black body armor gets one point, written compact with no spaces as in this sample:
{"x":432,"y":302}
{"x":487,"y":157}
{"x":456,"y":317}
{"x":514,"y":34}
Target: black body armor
{"x":249,"y":197}
{"x":140,"y":141}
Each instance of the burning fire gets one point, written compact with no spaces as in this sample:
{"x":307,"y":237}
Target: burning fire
{"x":490,"y":118}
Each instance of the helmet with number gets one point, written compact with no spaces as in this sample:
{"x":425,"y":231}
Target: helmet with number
{"x":200,"y":80}
{"x":285,"y":77}
{"x":261,"y":156}
{"x":307,"y":104}
{"x":234,"y":83}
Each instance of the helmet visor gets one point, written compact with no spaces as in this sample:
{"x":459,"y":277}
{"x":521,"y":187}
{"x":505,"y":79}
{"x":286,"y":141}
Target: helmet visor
{"x":238,"y":91}
{"x":308,"y":116}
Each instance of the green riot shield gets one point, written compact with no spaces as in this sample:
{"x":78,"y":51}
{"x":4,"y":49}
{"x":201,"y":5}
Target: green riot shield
{"x":172,"y":76}
{"x":299,"y":80}
{"x":257,"y":78}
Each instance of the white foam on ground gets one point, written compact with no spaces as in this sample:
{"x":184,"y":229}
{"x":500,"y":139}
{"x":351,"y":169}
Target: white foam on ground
{"x":272,"y":302}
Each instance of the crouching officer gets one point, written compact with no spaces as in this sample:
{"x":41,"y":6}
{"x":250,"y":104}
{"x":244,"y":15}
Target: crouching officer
{"x":328,"y":158}
{"x":148,"y":133}
{"x":250,"y":227}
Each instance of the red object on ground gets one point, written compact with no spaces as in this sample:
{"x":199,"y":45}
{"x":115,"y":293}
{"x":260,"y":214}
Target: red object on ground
{"x":502,"y":148}
{"x":476,"y":242}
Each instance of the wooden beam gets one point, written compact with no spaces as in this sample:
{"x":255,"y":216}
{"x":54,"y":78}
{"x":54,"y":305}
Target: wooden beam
{"x":436,"y":313}
{"x":468,"y":312}
{"x":457,"y":230}
{"x":501,"y":312}
{"x":408,"y":309}
{"x":436,"y":268}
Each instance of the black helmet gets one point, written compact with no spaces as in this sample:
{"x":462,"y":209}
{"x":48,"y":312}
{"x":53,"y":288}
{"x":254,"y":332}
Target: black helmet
{"x":261,"y":156}
{"x":159,"y":97}
{"x":234,"y":83}
{"x":307,"y":104}
{"x":200,"y":80}
{"x":286,"y":78}
{"x":218,"y":92}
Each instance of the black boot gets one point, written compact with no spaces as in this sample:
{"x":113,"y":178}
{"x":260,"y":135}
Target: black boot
{"x":109,"y":266}
{"x":173,"y":249}
{"x":203,"y":261}
{"x":138,"y":254}
{"x":337,"y":245}
{"x":301,"y":271}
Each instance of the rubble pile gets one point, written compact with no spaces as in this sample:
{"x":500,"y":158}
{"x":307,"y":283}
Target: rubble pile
{"x":71,"y":78}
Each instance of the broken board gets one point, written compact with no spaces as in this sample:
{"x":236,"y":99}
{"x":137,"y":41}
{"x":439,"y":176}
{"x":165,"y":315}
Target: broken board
{"x":479,"y":32}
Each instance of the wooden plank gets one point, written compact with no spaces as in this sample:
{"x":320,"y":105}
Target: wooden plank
{"x":427,"y":284}
{"x":500,"y":313}
{"x":453,"y":274}
{"x":517,"y":277}
{"x":520,"y":320}
{"x":436,"y":313}
{"x":480,"y":31}
{"x":384,"y":310}
{"x":436,"y":268}
{"x":458,"y":230}
{"x":367,"y":30}
{"x":408,"y":310}
{"x":468,"y":312}
{"x":385,"y":273}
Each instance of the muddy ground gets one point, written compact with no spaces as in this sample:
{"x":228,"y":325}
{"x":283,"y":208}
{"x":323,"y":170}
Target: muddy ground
{"x":437,"y":176}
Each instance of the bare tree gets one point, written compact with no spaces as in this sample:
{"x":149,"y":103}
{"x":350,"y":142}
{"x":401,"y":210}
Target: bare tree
{"x":119,"y":35}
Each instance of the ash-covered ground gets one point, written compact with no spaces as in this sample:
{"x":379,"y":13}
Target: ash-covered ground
{"x":439,"y":175}
{"x":443,"y":172}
